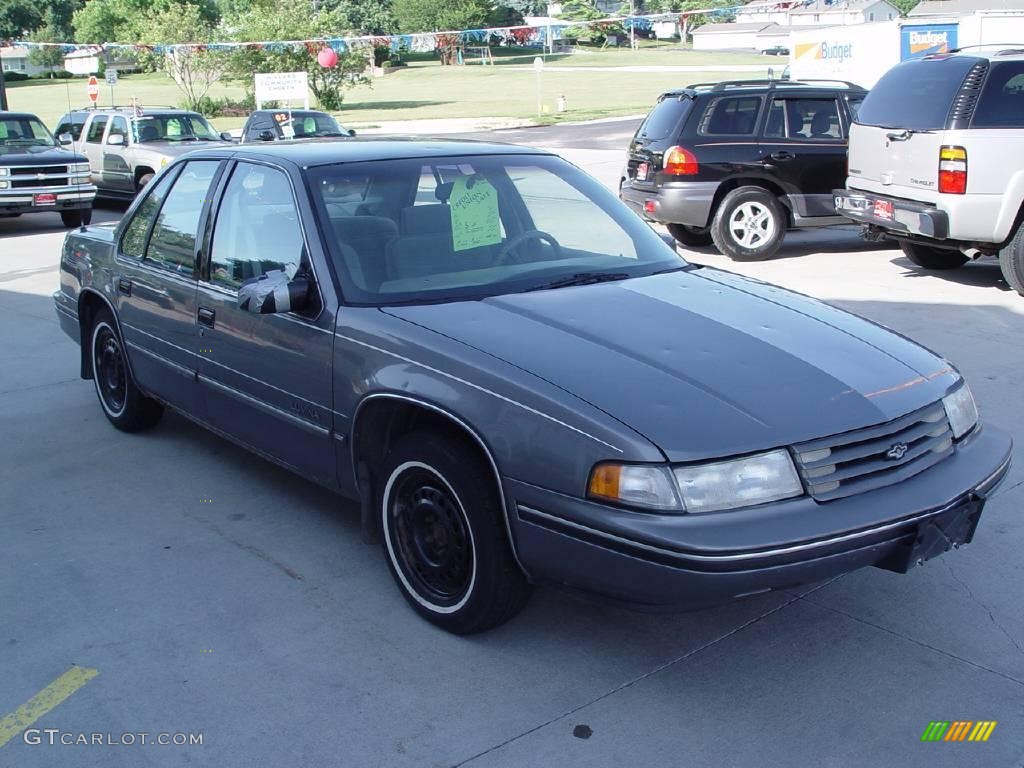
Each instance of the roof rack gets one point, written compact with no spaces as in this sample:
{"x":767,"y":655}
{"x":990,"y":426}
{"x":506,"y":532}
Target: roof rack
{"x":770,"y":84}
{"x":128,"y":107}
{"x":1009,"y":48}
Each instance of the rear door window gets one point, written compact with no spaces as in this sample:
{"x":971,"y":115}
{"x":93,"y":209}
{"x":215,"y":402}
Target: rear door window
{"x":173,"y":241}
{"x":665,"y":119}
{"x":803,"y":119}
{"x":731,"y":116}
{"x":1002,"y":101}
{"x":915,"y":94}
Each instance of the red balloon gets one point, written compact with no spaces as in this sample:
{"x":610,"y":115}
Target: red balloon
{"x":327,"y":58}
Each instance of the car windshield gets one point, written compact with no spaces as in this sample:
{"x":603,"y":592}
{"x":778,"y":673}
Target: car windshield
{"x":183,"y":127}
{"x":455,"y":228}
{"x":308,"y":124}
{"x":20,"y":132}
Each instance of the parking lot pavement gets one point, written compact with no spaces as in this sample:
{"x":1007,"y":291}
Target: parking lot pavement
{"x":217,"y":594}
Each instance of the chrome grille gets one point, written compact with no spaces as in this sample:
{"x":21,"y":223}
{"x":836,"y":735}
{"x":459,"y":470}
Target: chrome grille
{"x":28,"y":177}
{"x":870,"y":458}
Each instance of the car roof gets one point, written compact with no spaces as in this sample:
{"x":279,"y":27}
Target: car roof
{"x":292,"y":111}
{"x":19,"y":115}
{"x":763,"y":86}
{"x":354,"y":150}
{"x":990,"y":51}
{"x":151,"y":110}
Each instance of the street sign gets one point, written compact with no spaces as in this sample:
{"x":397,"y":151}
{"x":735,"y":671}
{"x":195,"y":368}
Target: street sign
{"x":93,"y":89}
{"x":111,"y":77}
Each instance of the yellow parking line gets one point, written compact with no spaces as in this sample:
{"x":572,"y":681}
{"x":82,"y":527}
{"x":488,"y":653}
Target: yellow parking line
{"x":48,"y":698}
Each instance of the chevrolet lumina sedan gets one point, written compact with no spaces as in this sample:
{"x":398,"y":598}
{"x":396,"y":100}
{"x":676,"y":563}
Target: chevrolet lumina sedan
{"x":519,"y":380}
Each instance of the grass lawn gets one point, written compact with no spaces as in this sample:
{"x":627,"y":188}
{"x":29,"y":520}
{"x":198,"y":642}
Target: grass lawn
{"x":426,"y":90}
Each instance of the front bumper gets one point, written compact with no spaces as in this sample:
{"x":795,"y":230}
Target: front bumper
{"x":680,"y":562}
{"x":908,"y":218}
{"x":67,"y":198}
{"x":678,"y":202}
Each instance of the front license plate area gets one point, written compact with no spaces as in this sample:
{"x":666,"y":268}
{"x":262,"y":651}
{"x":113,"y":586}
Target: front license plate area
{"x":883,"y":210}
{"x":937,"y":535}
{"x":45,"y":198}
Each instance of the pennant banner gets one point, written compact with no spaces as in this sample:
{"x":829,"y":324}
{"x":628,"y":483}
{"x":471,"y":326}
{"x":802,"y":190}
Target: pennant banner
{"x":523,"y":34}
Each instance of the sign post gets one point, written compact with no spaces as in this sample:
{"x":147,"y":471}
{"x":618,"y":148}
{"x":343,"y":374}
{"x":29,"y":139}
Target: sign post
{"x":111,"y":81}
{"x":538,"y":67}
{"x":93,"y":89}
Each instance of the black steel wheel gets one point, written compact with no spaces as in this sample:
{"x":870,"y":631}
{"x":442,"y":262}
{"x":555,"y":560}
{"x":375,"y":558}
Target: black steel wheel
{"x":124,"y":405}
{"x":445,"y":534}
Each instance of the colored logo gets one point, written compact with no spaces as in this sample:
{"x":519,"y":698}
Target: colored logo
{"x":838,"y":52}
{"x":897,"y":452}
{"x":958,"y":730}
{"x":927,"y":39}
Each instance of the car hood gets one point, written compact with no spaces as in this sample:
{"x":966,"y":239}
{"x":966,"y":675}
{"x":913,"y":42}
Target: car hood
{"x":702,"y":363}
{"x":17,"y":156}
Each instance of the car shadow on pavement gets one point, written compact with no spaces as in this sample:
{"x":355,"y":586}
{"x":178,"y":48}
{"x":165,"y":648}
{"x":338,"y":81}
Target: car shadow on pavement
{"x":103,"y":212}
{"x":983,"y":272}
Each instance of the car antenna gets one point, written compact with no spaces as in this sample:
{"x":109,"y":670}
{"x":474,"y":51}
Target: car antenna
{"x":78,"y":187}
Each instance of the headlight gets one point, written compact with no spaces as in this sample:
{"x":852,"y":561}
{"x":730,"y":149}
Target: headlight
{"x":636,"y":485}
{"x":738,"y":483}
{"x":4,"y":185}
{"x":79,"y":168}
{"x":5,"y":171}
{"x":961,"y":410}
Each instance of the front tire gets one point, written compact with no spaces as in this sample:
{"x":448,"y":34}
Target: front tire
{"x":749,"y":224}
{"x":76,"y":217}
{"x":123,"y":403}
{"x":933,"y":258}
{"x":142,"y":181}
{"x":692,"y":237}
{"x":445,"y":537}
{"x":1011,"y":261}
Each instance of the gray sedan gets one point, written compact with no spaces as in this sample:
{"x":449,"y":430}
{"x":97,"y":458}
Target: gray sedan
{"x":519,"y":380}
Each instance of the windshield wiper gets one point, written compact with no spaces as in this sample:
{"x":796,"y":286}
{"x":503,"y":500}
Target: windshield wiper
{"x":582,"y":278}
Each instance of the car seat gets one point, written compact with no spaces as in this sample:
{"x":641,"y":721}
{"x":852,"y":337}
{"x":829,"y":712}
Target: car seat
{"x":364,"y":242}
{"x":149,"y":132}
{"x":821,"y":125}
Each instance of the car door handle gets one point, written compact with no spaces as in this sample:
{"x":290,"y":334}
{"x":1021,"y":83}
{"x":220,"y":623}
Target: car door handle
{"x":206,"y":316}
{"x":124,"y":285}
{"x":783,"y":155}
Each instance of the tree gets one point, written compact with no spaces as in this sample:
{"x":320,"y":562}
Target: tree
{"x":194,"y":70}
{"x":296,"y":21}
{"x":364,"y":17}
{"x":904,"y":6}
{"x":123,"y":21}
{"x":441,"y":15}
{"x":18,"y":17}
{"x":55,"y":27}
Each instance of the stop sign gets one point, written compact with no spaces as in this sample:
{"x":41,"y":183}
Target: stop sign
{"x":93,"y":89}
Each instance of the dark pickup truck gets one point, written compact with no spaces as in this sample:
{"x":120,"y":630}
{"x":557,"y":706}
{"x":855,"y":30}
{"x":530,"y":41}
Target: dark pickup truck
{"x":37,"y":175}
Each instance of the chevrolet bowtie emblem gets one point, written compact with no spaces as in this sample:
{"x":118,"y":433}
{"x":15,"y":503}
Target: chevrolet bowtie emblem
{"x":897,"y":451}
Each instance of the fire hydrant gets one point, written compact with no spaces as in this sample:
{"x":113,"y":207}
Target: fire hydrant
{"x":560,"y":103}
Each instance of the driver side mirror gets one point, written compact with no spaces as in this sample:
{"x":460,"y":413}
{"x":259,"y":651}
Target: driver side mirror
{"x":226,"y":136}
{"x":266,"y":136}
{"x":274,"y":293}
{"x":351,"y":132}
{"x":116,"y":140}
{"x":65,"y":139}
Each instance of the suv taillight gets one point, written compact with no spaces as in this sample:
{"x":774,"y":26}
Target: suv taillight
{"x":953,"y":170}
{"x":679,"y":162}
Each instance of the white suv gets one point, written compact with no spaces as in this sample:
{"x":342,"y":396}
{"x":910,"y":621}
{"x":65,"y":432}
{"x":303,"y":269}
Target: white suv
{"x":937,"y":160}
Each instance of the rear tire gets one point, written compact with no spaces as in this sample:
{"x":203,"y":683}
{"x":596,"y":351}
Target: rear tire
{"x":123,"y":403}
{"x":445,"y":535}
{"x":692,"y":237}
{"x":928,"y":257}
{"x":1011,"y":261}
{"x":749,"y":224}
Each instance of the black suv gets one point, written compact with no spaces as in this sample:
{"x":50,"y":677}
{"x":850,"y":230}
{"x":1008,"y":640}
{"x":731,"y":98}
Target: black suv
{"x":280,"y":124}
{"x":738,"y":163}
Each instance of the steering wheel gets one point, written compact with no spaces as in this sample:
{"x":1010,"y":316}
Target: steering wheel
{"x":522,"y":237}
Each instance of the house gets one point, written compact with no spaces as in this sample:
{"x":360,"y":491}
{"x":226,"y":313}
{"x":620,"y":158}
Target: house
{"x":16,"y":59}
{"x":85,"y":61}
{"x":842,"y":12}
{"x":760,"y":10}
{"x":728,"y":36}
{"x":945,"y":8}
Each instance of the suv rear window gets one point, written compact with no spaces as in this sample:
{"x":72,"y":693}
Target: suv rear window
{"x":915,"y":94}
{"x":663,"y":119}
{"x":1002,"y":101}
{"x":731,"y":116}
